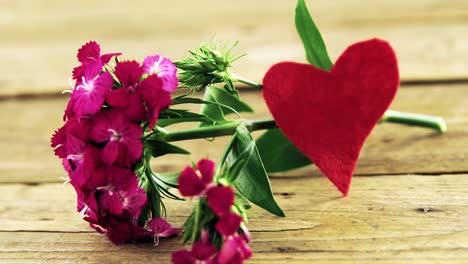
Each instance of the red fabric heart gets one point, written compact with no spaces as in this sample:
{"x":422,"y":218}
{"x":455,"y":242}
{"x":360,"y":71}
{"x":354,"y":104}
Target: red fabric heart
{"x":329,"y":115}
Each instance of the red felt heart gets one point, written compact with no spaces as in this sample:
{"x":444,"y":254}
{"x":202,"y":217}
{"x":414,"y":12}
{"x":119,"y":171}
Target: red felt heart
{"x":329,"y":115}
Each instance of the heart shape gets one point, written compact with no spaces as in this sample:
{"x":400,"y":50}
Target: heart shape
{"x":329,"y":115}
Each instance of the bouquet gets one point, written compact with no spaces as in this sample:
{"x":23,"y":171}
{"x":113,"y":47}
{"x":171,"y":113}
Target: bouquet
{"x":120,"y":112}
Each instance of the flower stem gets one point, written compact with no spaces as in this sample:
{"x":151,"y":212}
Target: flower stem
{"x":248,"y":82}
{"x":228,"y":129}
{"x":216,"y":130}
{"x":436,"y":123}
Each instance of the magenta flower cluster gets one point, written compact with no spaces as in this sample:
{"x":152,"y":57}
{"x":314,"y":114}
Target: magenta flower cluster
{"x":220,"y":199}
{"x":101,"y":140}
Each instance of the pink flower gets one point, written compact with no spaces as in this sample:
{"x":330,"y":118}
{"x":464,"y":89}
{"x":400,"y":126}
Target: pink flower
{"x":123,"y":137}
{"x":82,"y":164}
{"x":202,"y":252}
{"x":117,"y":191}
{"x":120,"y":231}
{"x":91,"y":59}
{"x":127,"y":98}
{"x":73,"y":127}
{"x":193,"y":183}
{"x":88,"y":208}
{"x":88,"y":96}
{"x":233,"y":251}
{"x":161,"y":228}
{"x":164,"y":69}
{"x":228,"y":224}
{"x":155,"y":98}
{"x":220,"y":199}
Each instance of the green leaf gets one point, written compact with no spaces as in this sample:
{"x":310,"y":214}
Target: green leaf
{"x":221,"y":97}
{"x":279,"y":153}
{"x":235,"y":169}
{"x":168,"y":179}
{"x":225,"y":98}
{"x":315,"y":48}
{"x":174,"y":116}
{"x":252,"y":181}
{"x":160,"y":148}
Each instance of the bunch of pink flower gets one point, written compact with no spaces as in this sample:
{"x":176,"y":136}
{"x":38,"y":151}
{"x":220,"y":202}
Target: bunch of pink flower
{"x":220,"y":199}
{"x":101,"y":140}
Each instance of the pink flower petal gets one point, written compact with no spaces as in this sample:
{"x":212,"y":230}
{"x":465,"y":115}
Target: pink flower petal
{"x":110,"y":152}
{"x":105,"y":58}
{"x":220,"y":199}
{"x":154,"y":97}
{"x":228,"y":224}
{"x":234,"y":250}
{"x":128,"y":72}
{"x":164,"y":69}
{"x":206,"y":168}
{"x":111,"y":201}
{"x":189,"y":183}
{"x":162,"y":228}
{"x":88,"y":97}
{"x":203,"y":249}
{"x":183,"y":257}
{"x":229,"y":252}
{"x":89,"y":52}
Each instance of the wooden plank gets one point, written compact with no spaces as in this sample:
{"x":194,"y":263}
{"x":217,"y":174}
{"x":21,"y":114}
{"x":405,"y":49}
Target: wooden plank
{"x":40,"y":39}
{"x":28,"y":124}
{"x":389,"y":219}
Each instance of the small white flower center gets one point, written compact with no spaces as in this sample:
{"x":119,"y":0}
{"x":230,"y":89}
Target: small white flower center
{"x":156,"y":69}
{"x":86,"y":85}
{"x":115,"y":136}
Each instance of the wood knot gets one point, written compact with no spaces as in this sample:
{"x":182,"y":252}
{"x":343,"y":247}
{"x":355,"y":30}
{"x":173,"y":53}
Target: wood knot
{"x":286,"y":249}
{"x":285,"y":193}
{"x":426,"y":210}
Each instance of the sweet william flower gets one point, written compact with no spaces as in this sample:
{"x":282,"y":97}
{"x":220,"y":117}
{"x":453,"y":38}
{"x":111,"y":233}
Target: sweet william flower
{"x":79,"y":128}
{"x":122,"y":137}
{"x":120,"y":231}
{"x":164,"y":69}
{"x":234,"y":251}
{"x":154,"y":97}
{"x":228,"y":224}
{"x":202,"y":252}
{"x":118,"y":191}
{"x":161,"y":228}
{"x":91,"y":59}
{"x":127,"y":97}
{"x":192,"y":182}
{"x":220,"y":199}
{"x":88,"y":96}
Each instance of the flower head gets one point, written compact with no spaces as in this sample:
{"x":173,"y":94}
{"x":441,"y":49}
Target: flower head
{"x":164,"y":69}
{"x":161,"y":228}
{"x":121,"y":136}
{"x":228,"y":224}
{"x":127,"y":98}
{"x":117,"y":191}
{"x":220,"y":199}
{"x":154,"y":97}
{"x":203,"y":252}
{"x":88,"y":96}
{"x":193,"y":183}
{"x":91,"y":59}
{"x":234,"y":250}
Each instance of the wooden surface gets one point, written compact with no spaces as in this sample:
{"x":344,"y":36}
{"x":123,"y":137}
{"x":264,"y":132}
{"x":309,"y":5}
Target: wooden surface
{"x":408,"y":201}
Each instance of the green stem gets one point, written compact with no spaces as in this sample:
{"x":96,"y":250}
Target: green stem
{"x":228,"y":129}
{"x":436,"y":123}
{"x":248,"y":82}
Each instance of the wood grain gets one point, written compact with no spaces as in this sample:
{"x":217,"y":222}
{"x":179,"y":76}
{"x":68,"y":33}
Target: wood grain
{"x":385,"y":219}
{"x":40,"y":38}
{"x":27,"y":125}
